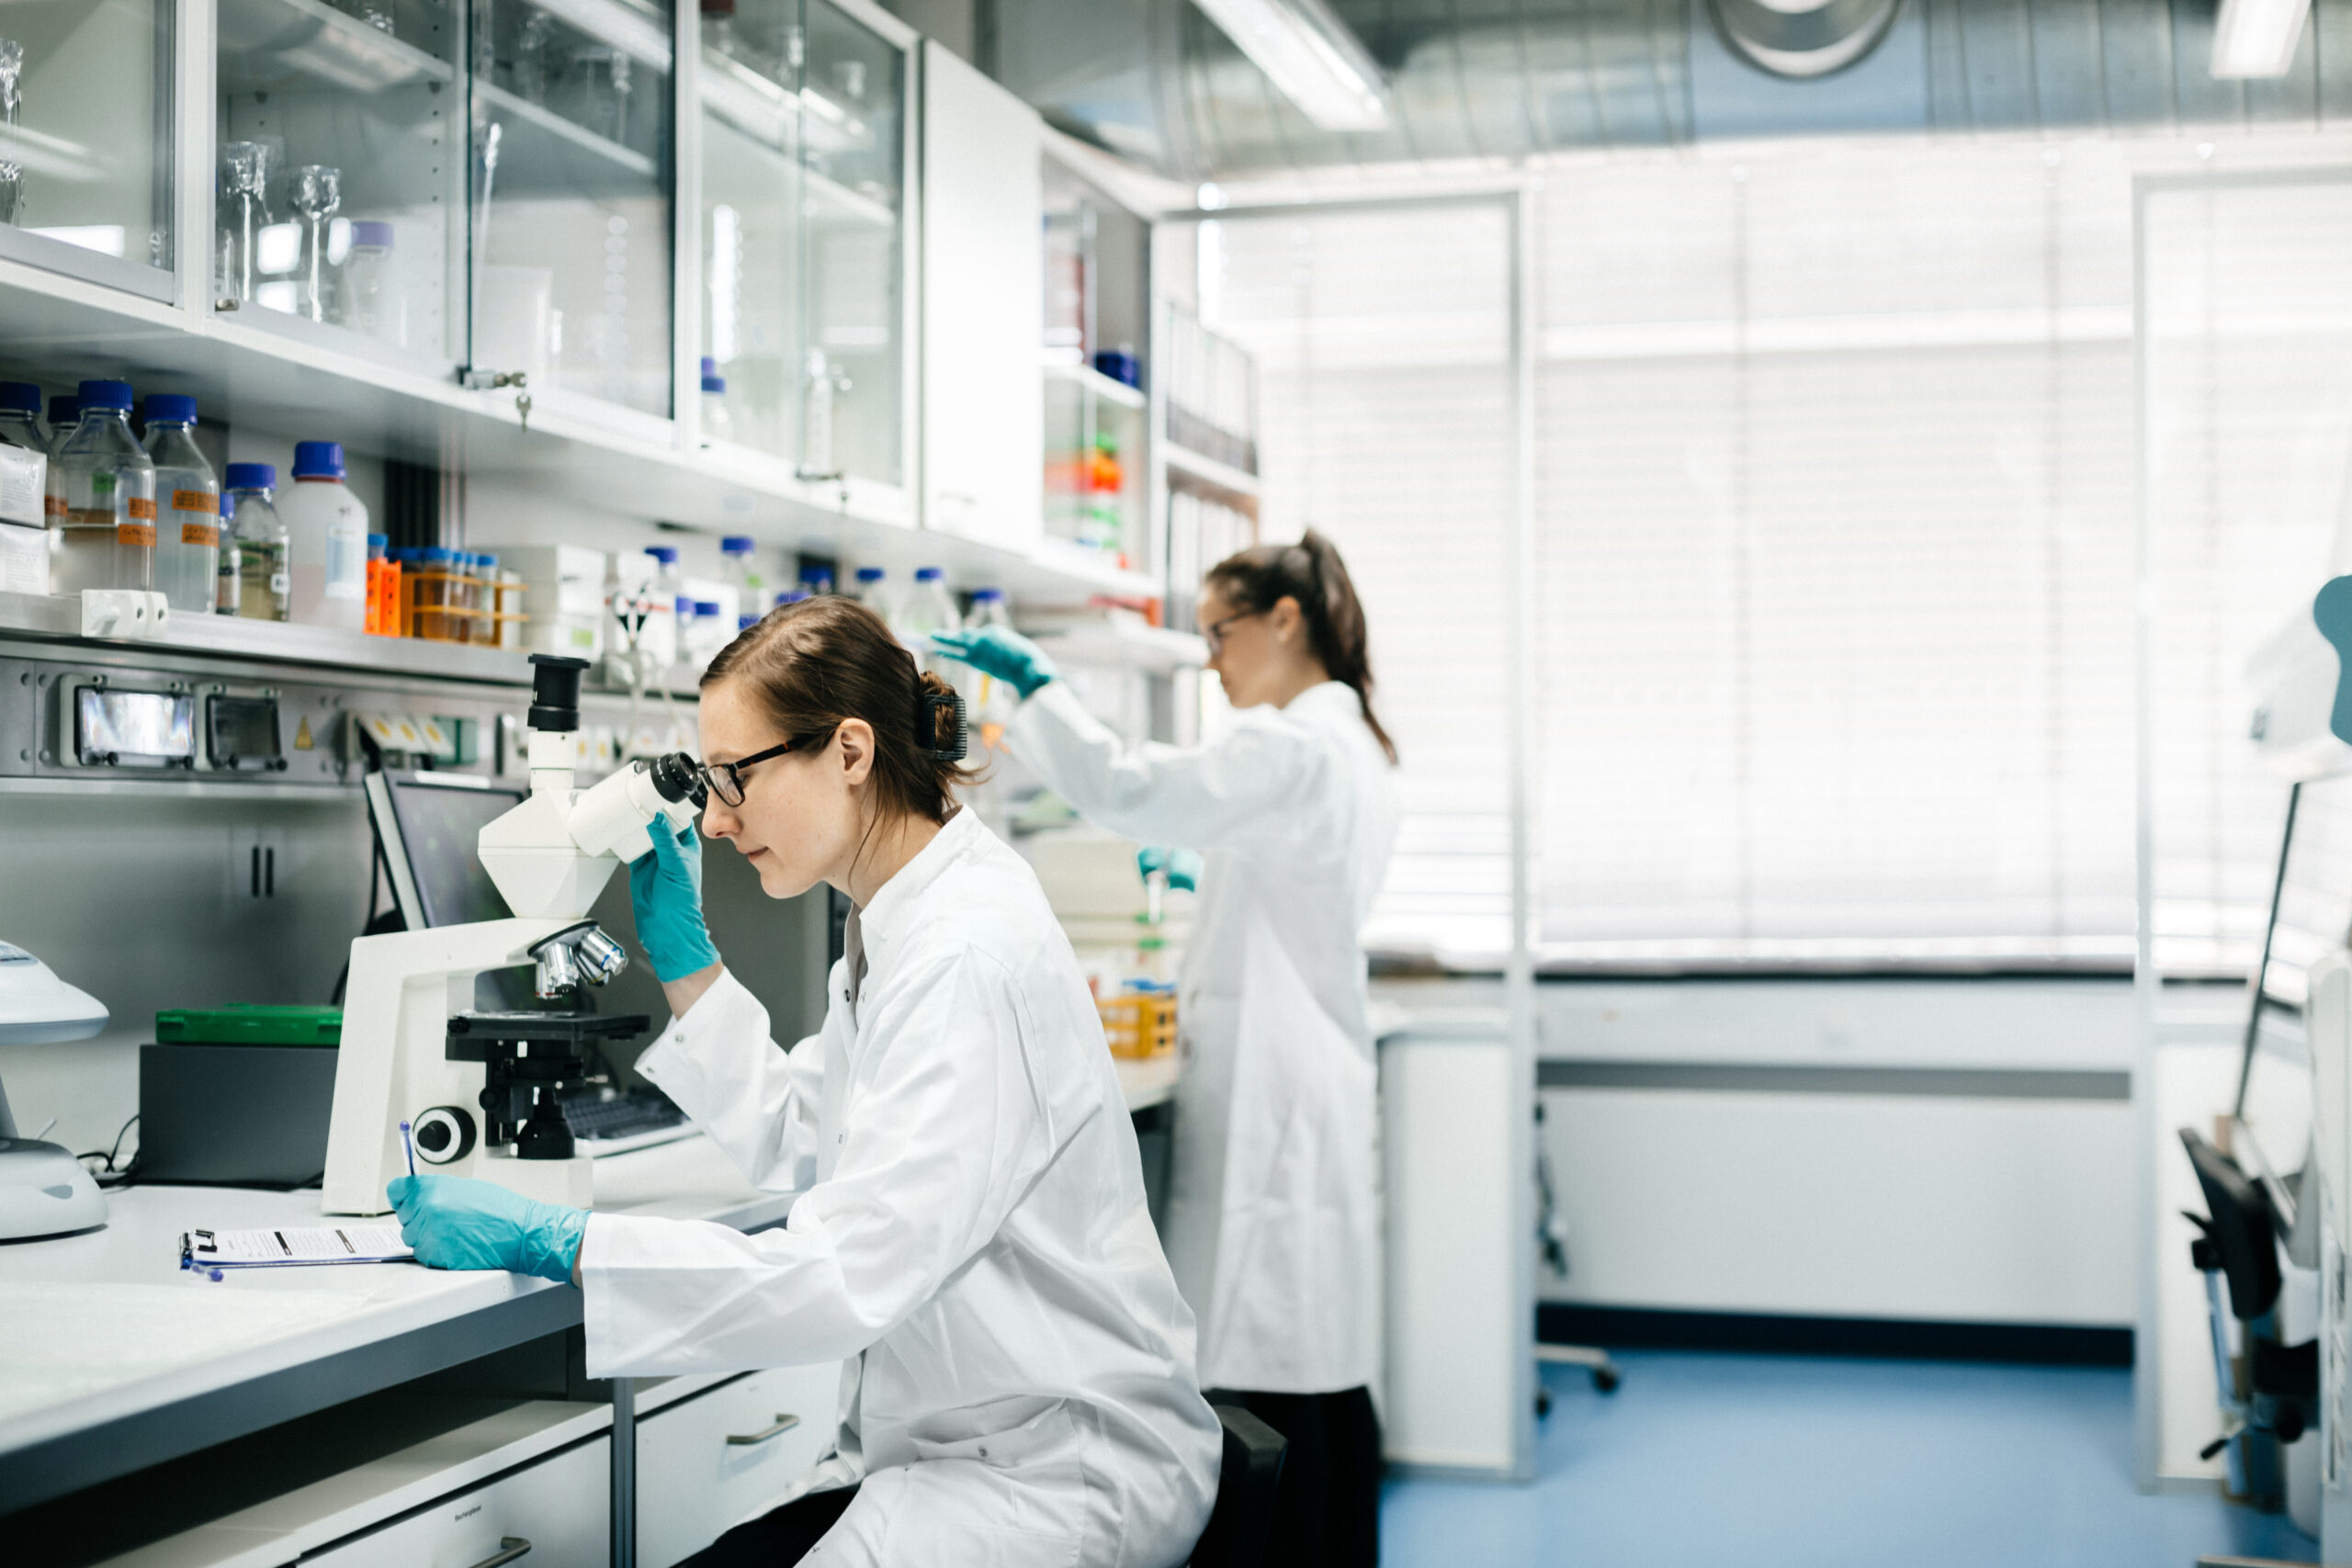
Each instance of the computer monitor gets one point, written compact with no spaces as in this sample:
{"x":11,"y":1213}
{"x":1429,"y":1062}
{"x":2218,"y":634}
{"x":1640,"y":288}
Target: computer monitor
{"x":429,"y":824}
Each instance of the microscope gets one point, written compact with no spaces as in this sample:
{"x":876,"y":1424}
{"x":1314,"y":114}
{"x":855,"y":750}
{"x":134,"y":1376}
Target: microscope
{"x":478,"y":1090}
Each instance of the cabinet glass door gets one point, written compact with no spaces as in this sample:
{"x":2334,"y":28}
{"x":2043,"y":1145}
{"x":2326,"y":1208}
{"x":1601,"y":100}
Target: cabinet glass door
{"x":853,"y":120}
{"x":86,"y":137}
{"x":751,"y":52}
{"x":342,"y":167}
{"x":570,"y":204}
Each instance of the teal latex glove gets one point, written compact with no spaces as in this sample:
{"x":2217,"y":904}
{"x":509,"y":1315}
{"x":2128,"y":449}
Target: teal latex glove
{"x":1182,"y":866}
{"x":453,"y":1221}
{"x":1001,"y":652}
{"x":665,"y":895}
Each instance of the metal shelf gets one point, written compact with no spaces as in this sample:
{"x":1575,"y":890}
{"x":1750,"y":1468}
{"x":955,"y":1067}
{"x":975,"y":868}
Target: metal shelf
{"x":313,"y":39}
{"x":1204,"y":475}
{"x":230,"y":636}
{"x":1105,"y":388}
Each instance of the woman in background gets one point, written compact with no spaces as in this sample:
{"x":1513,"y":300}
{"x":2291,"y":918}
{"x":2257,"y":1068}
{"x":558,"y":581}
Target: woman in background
{"x":1270,"y":1224}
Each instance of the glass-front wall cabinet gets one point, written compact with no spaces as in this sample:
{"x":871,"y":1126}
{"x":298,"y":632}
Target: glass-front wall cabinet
{"x":804,"y":114}
{"x":86,"y":129}
{"x":488,"y":183}
{"x":572,"y":140}
{"x":342,"y":167}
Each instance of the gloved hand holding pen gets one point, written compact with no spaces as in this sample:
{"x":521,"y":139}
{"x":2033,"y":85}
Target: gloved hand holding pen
{"x":454,"y":1221}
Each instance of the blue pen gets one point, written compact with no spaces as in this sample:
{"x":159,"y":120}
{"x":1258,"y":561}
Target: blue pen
{"x":409,"y":1145}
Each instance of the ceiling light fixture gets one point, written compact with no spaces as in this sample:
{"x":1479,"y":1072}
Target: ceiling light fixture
{"x":2257,"y":38}
{"x":1311,"y":58}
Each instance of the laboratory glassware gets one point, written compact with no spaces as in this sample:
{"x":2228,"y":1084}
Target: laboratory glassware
{"x":20,"y":416}
{"x":326,"y":530}
{"x":738,"y":567}
{"x":716,"y":425}
{"x":928,"y":608}
{"x":364,"y":306}
{"x":317,"y":195}
{"x":250,"y":511}
{"x":241,"y":176}
{"x":105,"y":533}
{"x":187,"y":497}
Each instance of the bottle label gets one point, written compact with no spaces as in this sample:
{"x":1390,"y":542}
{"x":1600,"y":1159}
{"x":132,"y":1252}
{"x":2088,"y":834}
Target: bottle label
{"x":23,"y":475}
{"x":140,"y":533}
{"x":280,"y":583}
{"x":201,"y":534}
{"x":347,"y":562}
{"x":142,"y":507}
{"x":53,"y":506}
{"x":202,"y":500}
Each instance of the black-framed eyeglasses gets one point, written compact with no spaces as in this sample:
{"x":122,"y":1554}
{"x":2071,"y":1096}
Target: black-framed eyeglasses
{"x":1214,"y":633}
{"x":725,"y":780}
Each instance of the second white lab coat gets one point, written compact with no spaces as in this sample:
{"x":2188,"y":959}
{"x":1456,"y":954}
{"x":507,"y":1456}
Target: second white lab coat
{"x":974,"y":1241}
{"x":1273,"y":1222}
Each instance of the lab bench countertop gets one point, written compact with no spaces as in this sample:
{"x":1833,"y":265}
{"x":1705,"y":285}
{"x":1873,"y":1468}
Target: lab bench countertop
{"x":112,"y":1356}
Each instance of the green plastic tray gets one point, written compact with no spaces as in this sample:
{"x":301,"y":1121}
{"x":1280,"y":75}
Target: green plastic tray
{"x":250,"y":1024}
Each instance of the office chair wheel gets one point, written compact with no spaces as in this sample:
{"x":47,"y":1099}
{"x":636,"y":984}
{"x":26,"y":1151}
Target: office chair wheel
{"x":1606,"y":1379}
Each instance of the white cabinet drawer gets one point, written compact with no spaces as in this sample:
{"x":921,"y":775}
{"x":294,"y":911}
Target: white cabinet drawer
{"x":560,"y":1506}
{"x":709,"y":1462}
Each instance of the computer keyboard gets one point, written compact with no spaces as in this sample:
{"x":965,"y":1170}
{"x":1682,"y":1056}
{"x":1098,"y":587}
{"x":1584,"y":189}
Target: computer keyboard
{"x":607,"y":1122}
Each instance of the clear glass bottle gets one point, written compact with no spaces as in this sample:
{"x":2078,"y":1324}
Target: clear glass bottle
{"x":266,"y":590}
{"x":989,"y":702}
{"x":873,"y":590}
{"x":229,"y":569}
{"x":929,"y":608}
{"x":326,"y":527}
{"x":106,"y":537}
{"x":717,"y":424}
{"x":363,"y":303}
{"x":64,"y":413}
{"x":20,"y":416}
{"x":187,"y":496}
{"x":815,"y":582}
{"x":738,"y":567}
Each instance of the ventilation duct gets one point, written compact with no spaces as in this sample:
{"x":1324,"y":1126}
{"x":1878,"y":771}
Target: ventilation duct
{"x":1155,"y":82}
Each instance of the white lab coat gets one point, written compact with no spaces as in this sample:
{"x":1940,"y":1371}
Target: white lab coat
{"x":1273,"y":1228}
{"x":973,"y":1242}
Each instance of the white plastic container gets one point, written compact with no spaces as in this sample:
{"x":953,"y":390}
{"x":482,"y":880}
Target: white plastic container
{"x":326,"y":530}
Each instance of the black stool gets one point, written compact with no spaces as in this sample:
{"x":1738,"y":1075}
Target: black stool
{"x":1245,"y":1493}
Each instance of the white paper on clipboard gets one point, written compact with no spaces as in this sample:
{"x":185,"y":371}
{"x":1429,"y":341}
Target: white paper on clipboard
{"x":295,"y":1247}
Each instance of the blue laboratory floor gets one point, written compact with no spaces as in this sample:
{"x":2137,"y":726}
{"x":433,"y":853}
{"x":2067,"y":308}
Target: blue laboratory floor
{"x":1707,"y":1461}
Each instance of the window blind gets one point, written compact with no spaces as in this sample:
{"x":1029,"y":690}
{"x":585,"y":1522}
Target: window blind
{"x":1380,"y":341}
{"x":1836,"y":526}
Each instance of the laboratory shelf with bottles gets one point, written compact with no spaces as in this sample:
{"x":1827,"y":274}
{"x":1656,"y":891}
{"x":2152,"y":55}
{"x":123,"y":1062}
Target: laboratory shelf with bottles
{"x":480,"y":238}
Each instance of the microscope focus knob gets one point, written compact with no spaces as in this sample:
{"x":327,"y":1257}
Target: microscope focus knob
{"x":444,"y":1135}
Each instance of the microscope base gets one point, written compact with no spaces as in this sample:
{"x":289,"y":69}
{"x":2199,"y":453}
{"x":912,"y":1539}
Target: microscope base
{"x":572,"y":1182}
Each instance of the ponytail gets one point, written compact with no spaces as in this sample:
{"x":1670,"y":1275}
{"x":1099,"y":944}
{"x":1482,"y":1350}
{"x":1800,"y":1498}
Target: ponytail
{"x":1256,"y":579}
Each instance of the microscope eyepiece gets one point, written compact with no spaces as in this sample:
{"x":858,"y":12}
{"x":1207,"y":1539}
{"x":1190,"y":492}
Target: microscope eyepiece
{"x":555,"y":691}
{"x":676,"y":777}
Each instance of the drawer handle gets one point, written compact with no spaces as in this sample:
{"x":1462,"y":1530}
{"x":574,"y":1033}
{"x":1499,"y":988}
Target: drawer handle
{"x":745,"y":1439}
{"x":510,"y":1547}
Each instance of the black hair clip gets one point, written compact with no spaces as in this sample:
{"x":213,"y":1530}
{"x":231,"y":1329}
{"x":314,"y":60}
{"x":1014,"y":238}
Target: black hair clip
{"x":935,"y":704}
